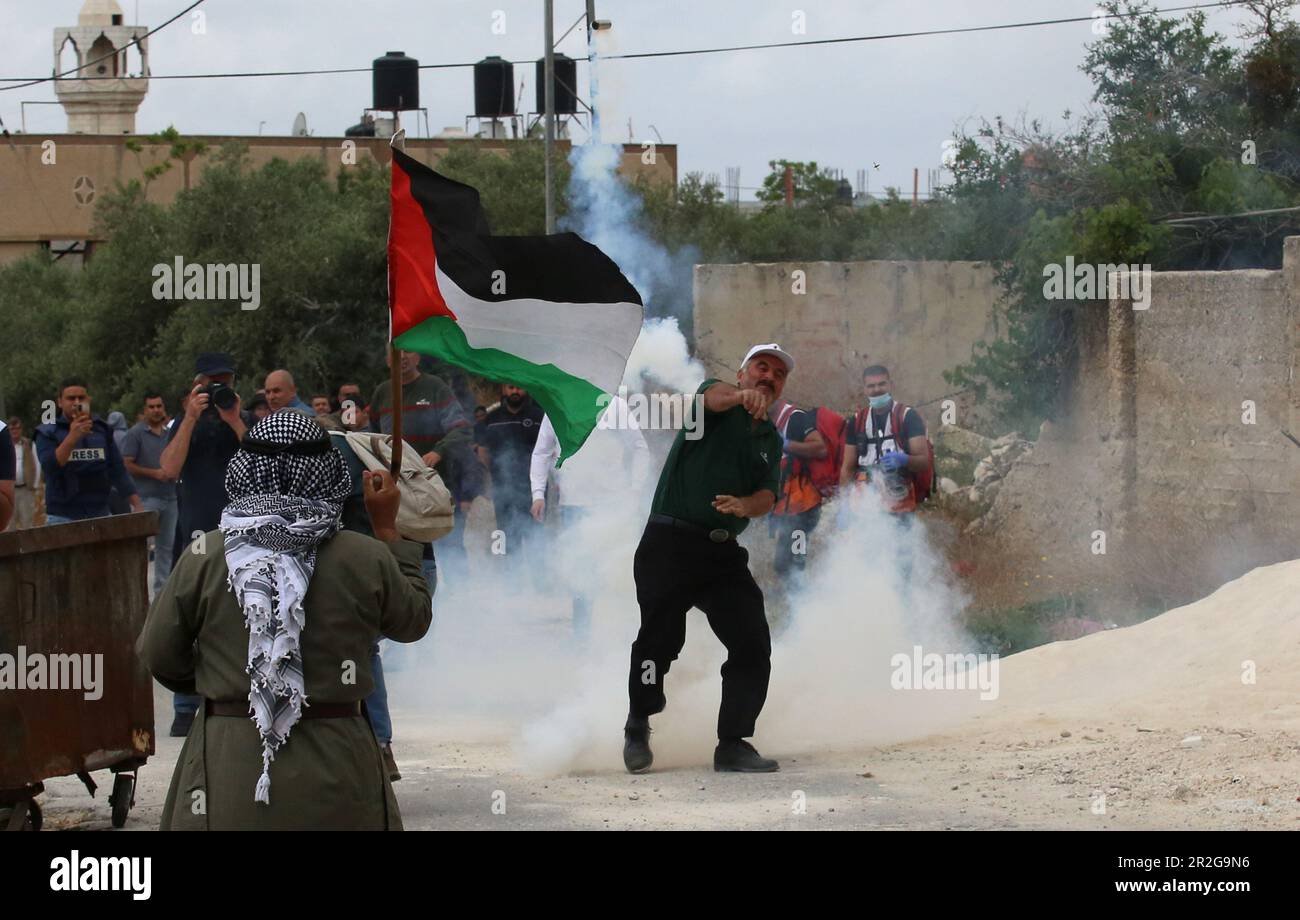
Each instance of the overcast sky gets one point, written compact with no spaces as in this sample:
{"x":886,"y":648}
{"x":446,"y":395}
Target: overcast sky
{"x":846,"y":106}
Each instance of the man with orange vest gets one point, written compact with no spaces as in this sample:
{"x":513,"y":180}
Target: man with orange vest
{"x":798,"y":507}
{"x":889,"y":439}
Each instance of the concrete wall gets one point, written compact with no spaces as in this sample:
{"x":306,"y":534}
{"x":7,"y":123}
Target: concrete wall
{"x":917,"y":318}
{"x":1159,"y":452}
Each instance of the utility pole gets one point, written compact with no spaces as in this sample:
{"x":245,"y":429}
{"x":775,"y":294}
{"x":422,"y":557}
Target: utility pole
{"x":591,"y":70}
{"x":548,"y":92}
{"x":549,"y":116}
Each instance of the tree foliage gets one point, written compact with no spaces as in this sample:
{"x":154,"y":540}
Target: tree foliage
{"x":1185,"y":125}
{"x":1188,"y":127}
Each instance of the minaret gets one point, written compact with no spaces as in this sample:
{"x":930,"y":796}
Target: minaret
{"x":98,"y":48}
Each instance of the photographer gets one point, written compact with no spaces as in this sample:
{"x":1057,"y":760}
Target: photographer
{"x":199,"y":447}
{"x":80,"y":460}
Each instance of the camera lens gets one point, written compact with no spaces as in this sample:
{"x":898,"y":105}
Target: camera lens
{"x":224,"y":397}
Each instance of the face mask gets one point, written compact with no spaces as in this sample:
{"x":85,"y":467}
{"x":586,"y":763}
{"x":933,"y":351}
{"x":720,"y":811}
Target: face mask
{"x":881,"y":402}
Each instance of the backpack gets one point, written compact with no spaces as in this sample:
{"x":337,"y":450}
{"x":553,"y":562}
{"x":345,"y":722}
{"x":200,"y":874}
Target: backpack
{"x":805,"y":482}
{"x":922,"y":483}
{"x":425,"y":512}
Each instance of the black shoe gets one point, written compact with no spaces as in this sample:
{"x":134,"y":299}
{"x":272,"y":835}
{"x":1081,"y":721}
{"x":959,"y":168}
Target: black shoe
{"x":637,"y":755}
{"x":739,"y":756}
{"x":181,"y":724}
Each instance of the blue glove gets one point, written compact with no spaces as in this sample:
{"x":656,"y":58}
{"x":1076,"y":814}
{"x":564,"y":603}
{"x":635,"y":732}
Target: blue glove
{"x":893,"y":461}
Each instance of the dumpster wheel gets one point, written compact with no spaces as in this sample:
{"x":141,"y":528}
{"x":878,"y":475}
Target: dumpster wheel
{"x":122,"y":797}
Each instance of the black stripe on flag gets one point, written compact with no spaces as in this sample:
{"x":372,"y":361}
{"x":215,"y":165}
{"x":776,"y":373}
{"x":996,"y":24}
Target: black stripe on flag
{"x":559,"y":268}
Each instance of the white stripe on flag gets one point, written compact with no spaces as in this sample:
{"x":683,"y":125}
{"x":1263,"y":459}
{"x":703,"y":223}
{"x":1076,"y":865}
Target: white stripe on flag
{"x":586,"y":340}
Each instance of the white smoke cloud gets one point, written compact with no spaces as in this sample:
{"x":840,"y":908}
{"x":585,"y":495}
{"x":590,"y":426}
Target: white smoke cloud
{"x":604,"y":211}
{"x":661,"y":357}
{"x":831,"y":668}
{"x":502,"y":662}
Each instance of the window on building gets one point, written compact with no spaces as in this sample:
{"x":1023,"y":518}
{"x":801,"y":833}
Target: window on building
{"x":103,"y":48}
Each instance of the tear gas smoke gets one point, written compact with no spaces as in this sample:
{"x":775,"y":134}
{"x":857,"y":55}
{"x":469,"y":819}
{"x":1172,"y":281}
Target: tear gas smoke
{"x":502,"y":662}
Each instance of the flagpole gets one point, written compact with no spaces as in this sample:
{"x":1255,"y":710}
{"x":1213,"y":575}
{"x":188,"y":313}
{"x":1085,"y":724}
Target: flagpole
{"x":398,"y":142}
{"x":549,"y":105}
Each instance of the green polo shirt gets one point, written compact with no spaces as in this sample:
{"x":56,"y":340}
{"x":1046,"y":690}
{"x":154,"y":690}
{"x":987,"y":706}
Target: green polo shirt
{"x":733,"y":456}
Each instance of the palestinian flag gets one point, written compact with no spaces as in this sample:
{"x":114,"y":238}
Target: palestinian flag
{"x":552,"y":314}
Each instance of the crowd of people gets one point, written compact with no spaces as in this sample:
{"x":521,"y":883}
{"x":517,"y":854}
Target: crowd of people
{"x":267,"y":483}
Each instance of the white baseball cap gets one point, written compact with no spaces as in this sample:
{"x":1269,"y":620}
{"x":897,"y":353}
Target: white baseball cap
{"x":770,"y":349}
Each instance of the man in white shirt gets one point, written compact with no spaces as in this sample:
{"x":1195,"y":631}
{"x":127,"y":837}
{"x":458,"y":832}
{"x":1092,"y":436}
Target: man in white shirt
{"x":27,"y":477}
{"x":610,"y":466}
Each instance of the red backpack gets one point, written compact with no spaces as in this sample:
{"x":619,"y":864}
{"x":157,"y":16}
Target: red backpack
{"x":922,"y":483}
{"x":804,"y":482}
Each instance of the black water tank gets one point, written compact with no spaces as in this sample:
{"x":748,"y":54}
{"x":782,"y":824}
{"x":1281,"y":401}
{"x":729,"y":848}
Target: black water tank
{"x":844,"y":192}
{"x":494,"y":88}
{"x":396,"y":82}
{"x":566,"y":85}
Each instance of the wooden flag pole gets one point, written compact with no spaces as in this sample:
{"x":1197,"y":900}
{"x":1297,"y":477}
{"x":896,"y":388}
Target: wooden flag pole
{"x":394,"y":356}
{"x":395,"y":363}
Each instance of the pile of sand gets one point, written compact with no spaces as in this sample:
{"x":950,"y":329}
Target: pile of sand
{"x":1232,"y":658}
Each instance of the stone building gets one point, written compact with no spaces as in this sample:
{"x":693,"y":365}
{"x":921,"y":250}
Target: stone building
{"x":50,"y":182}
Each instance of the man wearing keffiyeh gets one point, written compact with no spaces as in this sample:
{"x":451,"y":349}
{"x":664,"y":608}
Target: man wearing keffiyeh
{"x":270,"y":618}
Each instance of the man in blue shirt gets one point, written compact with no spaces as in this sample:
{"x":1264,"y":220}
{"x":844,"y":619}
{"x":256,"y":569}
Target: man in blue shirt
{"x":80,"y":460}
{"x":282,"y":393}
{"x":8,"y":466}
{"x":142,"y":450}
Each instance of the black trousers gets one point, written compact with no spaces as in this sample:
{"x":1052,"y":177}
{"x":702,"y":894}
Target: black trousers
{"x":515,"y":520}
{"x":676,"y":570}
{"x":782,"y":527}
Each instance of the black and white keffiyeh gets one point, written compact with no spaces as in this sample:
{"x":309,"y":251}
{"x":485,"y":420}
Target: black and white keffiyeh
{"x":286,"y":496}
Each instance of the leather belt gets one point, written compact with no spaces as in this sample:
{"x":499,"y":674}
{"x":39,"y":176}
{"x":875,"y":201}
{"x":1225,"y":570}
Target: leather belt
{"x":313,"y":711}
{"x":717,"y":535}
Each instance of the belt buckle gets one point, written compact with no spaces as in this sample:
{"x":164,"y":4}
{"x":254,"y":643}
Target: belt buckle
{"x":719,"y":535}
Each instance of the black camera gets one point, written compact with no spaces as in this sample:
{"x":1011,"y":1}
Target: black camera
{"x":221,"y":396}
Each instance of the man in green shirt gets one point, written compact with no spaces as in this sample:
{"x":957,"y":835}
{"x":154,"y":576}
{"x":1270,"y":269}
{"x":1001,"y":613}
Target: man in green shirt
{"x":433,"y":423}
{"x":712,"y":483}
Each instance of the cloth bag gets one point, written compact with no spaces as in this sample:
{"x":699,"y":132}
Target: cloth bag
{"x":425,"y":512}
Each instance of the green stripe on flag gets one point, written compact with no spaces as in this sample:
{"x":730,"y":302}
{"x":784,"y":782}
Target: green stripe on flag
{"x":573,"y":404}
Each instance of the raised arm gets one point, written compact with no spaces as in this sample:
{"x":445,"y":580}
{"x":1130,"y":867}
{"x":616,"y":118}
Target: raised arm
{"x":723,"y":396}
{"x":407,"y":608}
{"x":177,"y":450}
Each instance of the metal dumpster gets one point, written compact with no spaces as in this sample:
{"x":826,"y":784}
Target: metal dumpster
{"x":78,"y":589}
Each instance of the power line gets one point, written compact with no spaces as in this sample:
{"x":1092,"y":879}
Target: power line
{"x":954,"y":31}
{"x":1239,"y":214}
{"x":135,"y":41}
{"x":653,"y":54}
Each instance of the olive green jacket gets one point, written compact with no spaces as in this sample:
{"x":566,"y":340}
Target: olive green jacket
{"x":329,"y":773}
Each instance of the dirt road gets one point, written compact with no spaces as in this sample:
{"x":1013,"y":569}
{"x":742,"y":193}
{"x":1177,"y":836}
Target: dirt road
{"x":1150,"y":780}
{"x":1189,"y":720}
